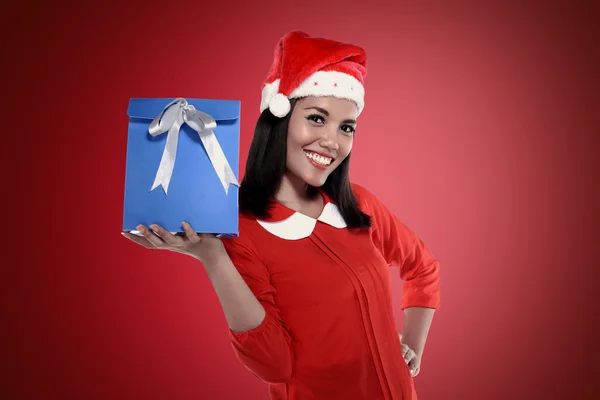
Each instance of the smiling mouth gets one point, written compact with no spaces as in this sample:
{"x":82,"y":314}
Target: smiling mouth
{"x":319,"y":159}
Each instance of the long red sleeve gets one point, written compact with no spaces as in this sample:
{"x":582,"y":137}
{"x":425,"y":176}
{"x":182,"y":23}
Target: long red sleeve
{"x":265,"y":350}
{"x":401,"y":247}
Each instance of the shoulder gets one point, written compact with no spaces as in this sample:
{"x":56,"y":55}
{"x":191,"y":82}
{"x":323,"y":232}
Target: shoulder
{"x":367,"y":201}
{"x":243,"y":251}
{"x":381,"y":215}
{"x":248,"y":240}
{"x":241,"y":239}
{"x":360,"y":191}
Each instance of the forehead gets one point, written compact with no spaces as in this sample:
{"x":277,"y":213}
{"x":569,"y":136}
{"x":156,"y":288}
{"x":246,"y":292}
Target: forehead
{"x":336,"y":107}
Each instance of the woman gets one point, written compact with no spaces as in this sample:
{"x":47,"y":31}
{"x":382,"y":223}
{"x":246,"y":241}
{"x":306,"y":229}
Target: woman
{"x":305,"y":287}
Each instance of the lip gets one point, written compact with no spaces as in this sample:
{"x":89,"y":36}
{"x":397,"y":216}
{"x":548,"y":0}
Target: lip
{"x":316,"y":164}
{"x":322,"y":154}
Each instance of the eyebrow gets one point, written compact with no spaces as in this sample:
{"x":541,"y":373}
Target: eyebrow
{"x":326,"y":113}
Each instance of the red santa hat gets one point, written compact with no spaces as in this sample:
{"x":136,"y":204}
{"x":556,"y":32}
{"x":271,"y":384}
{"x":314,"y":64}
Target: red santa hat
{"x":305,"y":66}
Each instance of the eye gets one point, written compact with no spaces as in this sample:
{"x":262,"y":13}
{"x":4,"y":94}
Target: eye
{"x":348,"y":129}
{"x":316,"y":118}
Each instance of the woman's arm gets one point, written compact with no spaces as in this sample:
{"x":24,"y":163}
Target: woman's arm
{"x":417,"y":321}
{"x":419,"y":270}
{"x":257,"y":332}
{"x":242,"y":284}
{"x":242,"y":309}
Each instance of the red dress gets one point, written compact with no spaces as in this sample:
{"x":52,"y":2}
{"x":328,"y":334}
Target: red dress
{"x":329,"y":331}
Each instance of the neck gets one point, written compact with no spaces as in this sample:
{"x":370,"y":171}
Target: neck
{"x":292,"y":190}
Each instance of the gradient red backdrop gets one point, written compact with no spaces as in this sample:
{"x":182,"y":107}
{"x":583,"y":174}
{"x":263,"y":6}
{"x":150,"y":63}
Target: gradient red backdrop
{"x":477,"y":132}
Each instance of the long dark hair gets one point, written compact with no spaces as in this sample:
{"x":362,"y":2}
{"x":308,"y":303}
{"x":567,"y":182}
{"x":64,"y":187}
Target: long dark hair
{"x":266,"y":166}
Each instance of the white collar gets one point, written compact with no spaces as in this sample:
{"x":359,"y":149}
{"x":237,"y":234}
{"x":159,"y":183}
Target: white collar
{"x":299,"y":226}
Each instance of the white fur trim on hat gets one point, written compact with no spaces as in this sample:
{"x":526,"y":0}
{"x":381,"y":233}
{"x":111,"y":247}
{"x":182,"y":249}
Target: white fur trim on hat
{"x":321,"y":83}
{"x":332,"y":83}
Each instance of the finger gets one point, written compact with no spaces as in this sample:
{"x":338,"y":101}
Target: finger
{"x":409,"y":356}
{"x":150,"y":236}
{"x":414,"y":367}
{"x":405,"y":348}
{"x":190,"y":233}
{"x":138,"y":239}
{"x":167,"y":236}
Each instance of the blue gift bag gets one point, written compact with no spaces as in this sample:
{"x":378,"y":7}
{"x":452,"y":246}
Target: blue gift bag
{"x":182,"y":163}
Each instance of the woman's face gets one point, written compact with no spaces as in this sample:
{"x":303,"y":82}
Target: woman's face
{"x":320,"y":136}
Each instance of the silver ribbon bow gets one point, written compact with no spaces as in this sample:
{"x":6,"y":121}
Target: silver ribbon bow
{"x":171,"y":118}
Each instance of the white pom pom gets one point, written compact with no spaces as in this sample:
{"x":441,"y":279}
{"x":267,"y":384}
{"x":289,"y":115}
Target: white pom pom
{"x":279,"y":105}
{"x":267,"y":95}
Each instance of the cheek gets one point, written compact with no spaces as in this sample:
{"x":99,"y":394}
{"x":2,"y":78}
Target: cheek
{"x":344,"y":150}
{"x":302,"y":136}
{"x":302,"y":133}
{"x":294,"y":154}
{"x":345,"y":146}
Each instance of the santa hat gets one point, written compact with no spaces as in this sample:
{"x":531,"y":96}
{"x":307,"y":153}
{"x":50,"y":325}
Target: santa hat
{"x":305,"y":66}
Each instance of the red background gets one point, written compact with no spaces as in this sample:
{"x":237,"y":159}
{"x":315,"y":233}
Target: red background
{"x":479,"y":132}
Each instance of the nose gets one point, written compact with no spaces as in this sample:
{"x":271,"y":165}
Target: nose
{"x":330,"y":140}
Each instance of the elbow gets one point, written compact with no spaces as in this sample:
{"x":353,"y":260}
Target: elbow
{"x":271,"y":364}
{"x":280,"y":375}
{"x":422,"y":289}
{"x":265,"y":351}
{"x":273,"y":373}
{"x":423,"y":271}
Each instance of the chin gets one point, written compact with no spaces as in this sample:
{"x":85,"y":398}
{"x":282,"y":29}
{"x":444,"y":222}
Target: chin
{"x":316,"y":180}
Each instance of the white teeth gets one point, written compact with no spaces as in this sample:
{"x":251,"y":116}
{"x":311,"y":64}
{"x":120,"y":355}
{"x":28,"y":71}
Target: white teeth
{"x":320,"y":159}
